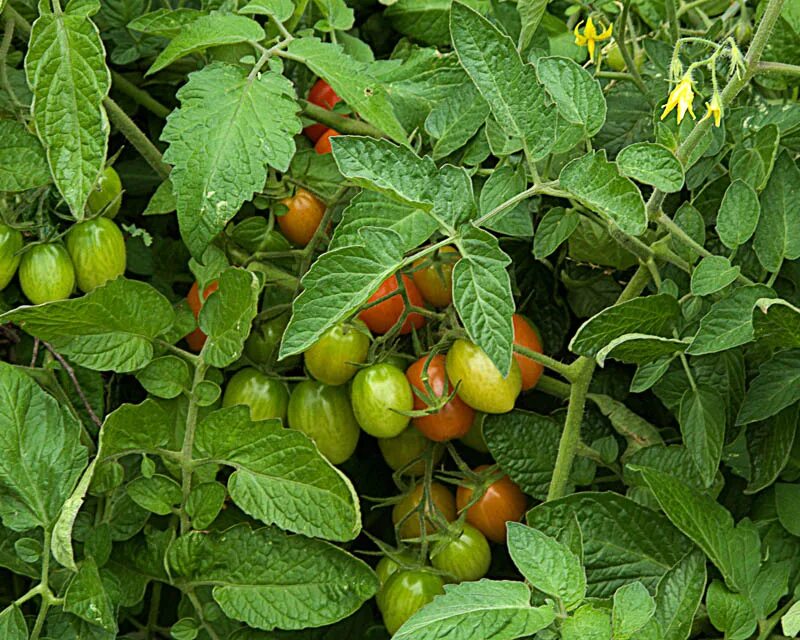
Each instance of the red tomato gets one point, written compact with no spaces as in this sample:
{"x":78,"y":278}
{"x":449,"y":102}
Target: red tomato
{"x":441,"y":502}
{"x":324,"y":96}
{"x":323,"y":145}
{"x":455,"y":418}
{"x":196,"y":339}
{"x":384,"y":315}
{"x":502,"y":502}
{"x":302,"y":220}
{"x":526,"y":335}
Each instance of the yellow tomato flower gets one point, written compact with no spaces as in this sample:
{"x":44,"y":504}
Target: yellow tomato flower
{"x":590,"y":37}
{"x":682,"y":96}
{"x":714,"y":108}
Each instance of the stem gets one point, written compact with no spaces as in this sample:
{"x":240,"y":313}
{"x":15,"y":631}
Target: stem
{"x":44,"y":588}
{"x":71,"y":373}
{"x":553,"y":387}
{"x":339,"y":122}
{"x":542,"y":359}
{"x":140,"y":96}
{"x":672,"y":18}
{"x":22,"y":24}
{"x":765,"y":627}
{"x":8,"y":35}
{"x":198,"y":607}
{"x":630,"y":63}
{"x":778,"y":67}
{"x":136,"y":137}
{"x":152,"y":616}
{"x":187,"y":467}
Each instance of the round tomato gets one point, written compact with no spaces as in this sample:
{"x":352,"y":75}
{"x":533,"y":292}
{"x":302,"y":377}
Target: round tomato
{"x":466,"y":558}
{"x":302,"y":219}
{"x":440,"y":505}
{"x":474,"y":437}
{"x":454,"y":419}
{"x":46,"y":273}
{"x":10,"y":244}
{"x":378,"y":393}
{"x":405,"y":593}
{"x":106,"y":196}
{"x":264,"y":341}
{"x":196,"y":339}
{"x":323,"y":145}
{"x":97,"y":249}
{"x":324,"y":96}
{"x":502,"y":502}
{"x":265,"y":397}
{"x":613,"y":56}
{"x":333,"y":359}
{"x":480,"y":383}
{"x":383,"y":316}
{"x":433,"y":276}
{"x":527,"y":335}
{"x":387,"y":566}
{"x":323,"y":413}
{"x":399,"y":452}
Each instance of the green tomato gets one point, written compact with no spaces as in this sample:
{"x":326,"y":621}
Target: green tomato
{"x":480,"y":383}
{"x":97,"y":249}
{"x":333,"y":358}
{"x":405,"y":593}
{"x":474,"y":437}
{"x":46,"y":273}
{"x":387,"y":567}
{"x":466,"y":558}
{"x":323,"y":413}
{"x":264,"y":340}
{"x":266,"y":397}
{"x":613,"y":56}
{"x":10,"y":244}
{"x":401,"y":450}
{"x":106,"y":194}
{"x":378,"y":393}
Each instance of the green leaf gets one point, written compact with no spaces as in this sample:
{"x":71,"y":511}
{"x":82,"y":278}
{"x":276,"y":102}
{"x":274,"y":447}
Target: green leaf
{"x":587,"y":623}
{"x":597,"y":183}
{"x":205,"y":502}
{"x":554,"y":229}
{"x":547,"y":564}
{"x":165,"y":22}
{"x":790,"y":622}
{"x":505,"y":183}
{"x":158,"y":494}
{"x":208,"y":31}
{"x":679,"y":594}
{"x":738,"y":214}
{"x":632,"y":610}
{"x":703,"y":418}
{"x":111,"y":328}
{"x":86,"y":597}
{"x":23,"y":163}
{"x":530,"y":14}
{"x":165,"y":377}
{"x":66,"y":70}
{"x":640,"y":348}
{"x":592,"y":243}
{"x":769,"y":445}
{"x":338,"y":16}
{"x":638,"y":431}
{"x":510,"y":87}
{"x":134,"y":428}
{"x":577,"y":94}
{"x":494,"y":609}
{"x":61,"y":539}
{"x":787,"y":501}
{"x":776,"y":387}
{"x":651,"y":164}
{"x":163,"y":200}
{"x":778,"y":324}
{"x":454,"y":120}
{"x":752,"y":160}
{"x":12,"y":624}
{"x":267,"y":579}
{"x":730,"y":612}
{"x":228,"y":130}
{"x":776,"y":238}
{"x":281,"y":10}
{"x":712,"y":274}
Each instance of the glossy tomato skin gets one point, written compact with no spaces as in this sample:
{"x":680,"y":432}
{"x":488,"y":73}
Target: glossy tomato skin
{"x":384,"y":315}
{"x":378,"y":393}
{"x":323,"y":145}
{"x":474,"y":437}
{"x":444,"y":505}
{"x":324,"y":414}
{"x":46,"y":273}
{"x":466,"y":558}
{"x":405,"y":593}
{"x":302,"y":219}
{"x":527,"y":335}
{"x":434,"y":276}
{"x":387,"y":567}
{"x":324,"y":96}
{"x":265,"y":397}
{"x":97,"y":249}
{"x":502,"y":502}
{"x":334,"y":358}
{"x":197,"y":339}
{"x":400,"y":451}
{"x":480,"y":383}
{"x":106,"y":194}
{"x":455,"y":418}
{"x":10,"y":243}
{"x":263,"y":343}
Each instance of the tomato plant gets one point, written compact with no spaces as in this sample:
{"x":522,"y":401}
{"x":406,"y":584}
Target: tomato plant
{"x":261,"y":346}
{"x":323,"y":143}
{"x":97,"y":249}
{"x":465,"y":558}
{"x":527,"y":335}
{"x":322,"y":95}
{"x":415,"y":508}
{"x":265,"y":397}
{"x":46,"y":273}
{"x":404,"y":452}
{"x":434,"y":276}
{"x":10,"y":244}
{"x":480,"y":384}
{"x":300,"y":222}
{"x":405,"y":593}
{"x":196,"y":339}
{"x":385,"y":308}
{"x":335,"y":357}
{"x":380,"y":393}
{"x":106,"y":196}
{"x":501,"y":502}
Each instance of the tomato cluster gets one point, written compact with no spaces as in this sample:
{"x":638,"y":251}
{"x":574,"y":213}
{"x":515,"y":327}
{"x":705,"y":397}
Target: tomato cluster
{"x":322,"y":95}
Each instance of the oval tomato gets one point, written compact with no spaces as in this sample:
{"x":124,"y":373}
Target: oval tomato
{"x":441,"y":505}
{"x":433,"y":276}
{"x":454,"y":419}
{"x":265,"y":397}
{"x":466,"y":558}
{"x":378,"y":393}
{"x":474,"y":437}
{"x":383,"y":316}
{"x":323,"y":413}
{"x":480,"y":383}
{"x":527,"y":335}
{"x":97,"y":249}
{"x":399,"y":452}
{"x":264,"y":341}
{"x":323,"y":145}
{"x":46,"y":273}
{"x":333,"y":359}
{"x":106,"y":195}
{"x":387,"y":566}
{"x":322,"y":95}
{"x":502,"y":502}
{"x":405,"y":593}
{"x":300,"y":222}
{"x":10,"y":244}
{"x":196,"y":339}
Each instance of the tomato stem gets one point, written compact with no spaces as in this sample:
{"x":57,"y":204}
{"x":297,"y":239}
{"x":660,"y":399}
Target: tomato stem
{"x":187,"y":465}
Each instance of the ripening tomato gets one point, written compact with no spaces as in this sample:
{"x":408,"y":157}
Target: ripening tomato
{"x":527,"y":335}
{"x":400,"y":451}
{"x":46,"y":273}
{"x":466,"y":558}
{"x":264,"y":341}
{"x":405,"y":593}
{"x":302,"y":219}
{"x":10,"y":244}
{"x":196,"y":339}
{"x":378,"y":393}
{"x":441,"y":503}
{"x":454,"y":419}
{"x":433,"y":276}
{"x":324,"y":414}
{"x":502,"y":502}
{"x":323,"y":145}
{"x":334,"y":358}
{"x":265,"y":397}
{"x":480,"y":383}
{"x":384,"y":315}
{"x":106,"y":195}
{"x":97,"y":249}
{"x":324,"y":96}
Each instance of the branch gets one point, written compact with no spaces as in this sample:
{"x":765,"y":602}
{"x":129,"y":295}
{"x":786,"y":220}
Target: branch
{"x":71,"y":373}
{"x":337,"y":121}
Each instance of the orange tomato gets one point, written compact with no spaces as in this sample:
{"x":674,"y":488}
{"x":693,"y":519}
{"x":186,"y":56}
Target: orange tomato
{"x":384,"y":315}
{"x":502,"y":502}
{"x":526,"y":335}
{"x":323,"y":145}
{"x":196,"y":339}
{"x":324,"y":96}
{"x":302,"y":220}
{"x":442,"y":502}
{"x":434,"y":276}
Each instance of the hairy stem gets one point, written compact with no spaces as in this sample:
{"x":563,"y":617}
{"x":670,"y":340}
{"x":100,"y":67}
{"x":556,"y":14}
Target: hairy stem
{"x":187,"y":466}
{"x":339,"y":122}
{"x":136,"y":137}
{"x":140,"y":96}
